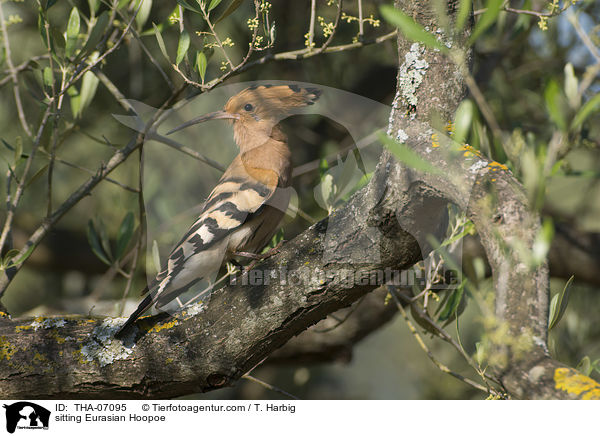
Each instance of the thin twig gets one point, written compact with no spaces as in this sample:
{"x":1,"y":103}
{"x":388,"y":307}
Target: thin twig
{"x":214,"y":33}
{"x":13,"y":75}
{"x":269,"y":386}
{"x":335,"y":27}
{"x":440,"y":332}
{"x":340,"y":321}
{"x":185,"y":150}
{"x":486,"y":111}
{"x":20,"y":68}
{"x":361,"y":23}
{"x":103,"y":56}
{"x":424,"y":347}
{"x":529,"y":12}
{"x":139,"y":243}
{"x":117,"y":159}
{"x":147,"y":52}
{"x":236,"y":70}
{"x":54,"y":142}
{"x":311,"y":26}
{"x":584,"y":36}
{"x":10,"y":213}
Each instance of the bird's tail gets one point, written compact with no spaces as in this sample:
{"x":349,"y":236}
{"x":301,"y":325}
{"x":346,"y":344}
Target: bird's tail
{"x":143,"y":306}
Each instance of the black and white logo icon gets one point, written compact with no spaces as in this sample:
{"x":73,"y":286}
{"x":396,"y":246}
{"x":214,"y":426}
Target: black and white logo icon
{"x":26,"y":415}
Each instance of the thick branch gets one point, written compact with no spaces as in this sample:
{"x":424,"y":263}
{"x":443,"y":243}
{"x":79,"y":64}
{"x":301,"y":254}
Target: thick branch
{"x":243,"y":323}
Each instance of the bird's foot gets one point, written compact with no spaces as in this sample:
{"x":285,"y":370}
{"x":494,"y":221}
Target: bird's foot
{"x":262,"y":256}
{"x":257,"y":257}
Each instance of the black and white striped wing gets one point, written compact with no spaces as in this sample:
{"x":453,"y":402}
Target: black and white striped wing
{"x":202,"y":249}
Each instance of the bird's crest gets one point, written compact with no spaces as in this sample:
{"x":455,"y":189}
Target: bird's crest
{"x":269,"y":101}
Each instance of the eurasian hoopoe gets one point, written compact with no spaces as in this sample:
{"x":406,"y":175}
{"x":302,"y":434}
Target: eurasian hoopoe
{"x":244,"y":210}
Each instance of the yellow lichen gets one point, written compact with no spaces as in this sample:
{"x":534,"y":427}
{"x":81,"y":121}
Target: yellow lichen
{"x":85,"y":321}
{"x":166,"y":325}
{"x":20,"y":328}
{"x":38,"y":357}
{"x":469,"y":151}
{"x":59,"y":339}
{"x":6,"y":349}
{"x":576,"y":383}
{"x":495,"y":165}
{"x":78,"y":355}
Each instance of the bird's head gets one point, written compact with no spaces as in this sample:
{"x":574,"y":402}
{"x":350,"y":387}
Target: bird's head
{"x":258,"y":109}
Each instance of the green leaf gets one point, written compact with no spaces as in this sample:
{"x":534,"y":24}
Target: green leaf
{"x":464,"y":9}
{"x":104,"y":240}
{"x":161,"y":42}
{"x":452,"y":303}
{"x":213,"y":4}
{"x":94,"y":5}
{"x":48,"y":4}
{"x":542,"y":242}
{"x":408,"y":156}
{"x":75,"y":99}
{"x":94,"y":242}
{"x":571,"y":87}
{"x":276,"y":239}
{"x":143,"y":13}
{"x":72,"y":32}
{"x":411,"y":29}
{"x":24,"y":256}
{"x":98,"y":26}
{"x":230,"y":10}
{"x":479,"y":353}
{"x":89,"y":85}
{"x":488,"y":18}
{"x":58,"y":38}
{"x":156,"y":256}
{"x":590,"y":106}
{"x":462,"y":121}
{"x":323,"y":167}
{"x":201,"y":64}
{"x":124,"y":234}
{"x":555,"y":104}
{"x":559,"y":303}
{"x":18,"y":150}
{"x":182,"y":47}
{"x":48,"y":76}
{"x":11,"y":254}
{"x":189,"y":7}
{"x":9,"y":262}
{"x":42,"y":27}
{"x":584,"y":366}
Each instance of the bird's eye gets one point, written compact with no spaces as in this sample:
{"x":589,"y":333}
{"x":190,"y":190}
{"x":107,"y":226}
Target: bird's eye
{"x":248,"y":107}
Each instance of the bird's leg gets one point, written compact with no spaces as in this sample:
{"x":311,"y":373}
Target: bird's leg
{"x":257,"y":257}
{"x":273,"y":251}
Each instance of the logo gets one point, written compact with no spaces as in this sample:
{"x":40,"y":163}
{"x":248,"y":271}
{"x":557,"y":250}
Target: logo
{"x":26,"y":415}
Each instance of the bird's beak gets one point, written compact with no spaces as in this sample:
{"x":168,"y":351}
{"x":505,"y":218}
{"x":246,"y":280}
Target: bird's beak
{"x":218,"y":115}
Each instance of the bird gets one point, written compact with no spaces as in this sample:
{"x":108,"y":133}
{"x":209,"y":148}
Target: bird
{"x":244,"y":210}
